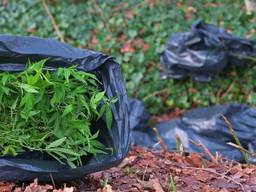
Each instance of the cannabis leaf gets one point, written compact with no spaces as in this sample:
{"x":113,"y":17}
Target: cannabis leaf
{"x":52,"y":112}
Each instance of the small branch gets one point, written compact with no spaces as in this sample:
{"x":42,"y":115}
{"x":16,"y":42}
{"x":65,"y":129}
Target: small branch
{"x":179,"y":145}
{"x":53,"y":183}
{"x":163,"y":144}
{"x":144,"y":173}
{"x":251,"y":58}
{"x":227,"y":90}
{"x":154,"y":94}
{"x":241,"y":148}
{"x":205,"y":149}
{"x":54,"y":23}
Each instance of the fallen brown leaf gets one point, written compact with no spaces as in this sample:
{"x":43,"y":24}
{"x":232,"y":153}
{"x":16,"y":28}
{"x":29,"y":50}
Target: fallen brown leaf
{"x":34,"y":187}
{"x":190,"y":11}
{"x":65,"y":189}
{"x":6,"y":187}
{"x":194,"y":159}
{"x":156,"y":185}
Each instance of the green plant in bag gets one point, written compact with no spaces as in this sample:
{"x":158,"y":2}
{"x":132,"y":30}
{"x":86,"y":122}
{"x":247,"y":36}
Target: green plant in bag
{"x":52,"y":112}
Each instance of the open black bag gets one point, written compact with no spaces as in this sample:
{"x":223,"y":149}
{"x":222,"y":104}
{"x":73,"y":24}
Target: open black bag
{"x":15,"y":51}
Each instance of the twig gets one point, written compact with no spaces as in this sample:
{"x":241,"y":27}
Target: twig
{"x":156,"y":144}
{"x":54,"y":23}
{"x":227,"y":90}
{"x":154,"y":94}
{"x":53,"y":183}
{"x":241,"y":148}
{"x":219,"y":174}
{"x":233,"y":133}
{"x":160,"y":140}
{"x":179,"y":145}
{"x":205,"y":149}
{"x":226,"y":172}
{"x":218,"y":156}
{"x":163,"y":144}
{"x":220,"y":95}
{"x":250,"y":58}
{"x":144,"y":173}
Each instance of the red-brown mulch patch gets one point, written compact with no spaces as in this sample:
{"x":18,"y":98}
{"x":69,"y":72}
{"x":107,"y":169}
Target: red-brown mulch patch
{"x":148,"y":170}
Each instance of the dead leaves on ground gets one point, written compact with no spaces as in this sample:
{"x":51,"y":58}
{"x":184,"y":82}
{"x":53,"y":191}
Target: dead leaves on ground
{"x":148,"y":170}
{"x":33,"y":187}
{"x":145,"y":170}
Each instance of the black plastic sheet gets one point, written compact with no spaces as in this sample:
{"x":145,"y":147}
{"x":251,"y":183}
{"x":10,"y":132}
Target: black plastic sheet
{"x":206,"y":125}
{"x":203,"y":52}
{"x":15,"y":51}
{"x":139,"y":115}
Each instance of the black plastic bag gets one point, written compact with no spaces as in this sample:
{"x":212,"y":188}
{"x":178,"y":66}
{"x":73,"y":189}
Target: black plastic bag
{"x":203,"y":52}
{"x":207,"y":126}
{"x":139,"y":115}
{"x":14,"y":54}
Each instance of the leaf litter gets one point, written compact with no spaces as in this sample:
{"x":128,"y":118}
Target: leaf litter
{"x":150,"y":170}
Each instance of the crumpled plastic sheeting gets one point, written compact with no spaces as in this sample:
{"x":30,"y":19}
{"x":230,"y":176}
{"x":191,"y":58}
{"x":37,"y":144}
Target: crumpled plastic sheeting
{"x":207,"y":126}
{"x":14,"y":54}
{"x":203,"y":52}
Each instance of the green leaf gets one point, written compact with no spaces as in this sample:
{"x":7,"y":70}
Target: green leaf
{"x":9,"y":150}
{"x":95,"y":136}
{"x":39,"y":115}
{"x":68,"y":109}
{"x":14,"y":105}
{"x":71,"y":164}
{"x":5,"y":78}
{"x":66,"y":74}
{"x":113,"y":100}
{"x":6,"y":90}
{"x":56,"y":143}
{"x":59,"y":94}
{"x":252,"y":98}
{"x":99,"y":96}
{"x":109,"y":117}
{"x":33,"y":113}
{"x":102,"y":111}
{"x":94,"y":102}
{"x":64,"y":150}
{"x":28,"y":88}
{"x":56,"y":157}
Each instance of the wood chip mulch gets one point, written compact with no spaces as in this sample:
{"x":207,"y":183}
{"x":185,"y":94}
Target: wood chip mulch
{"x":148,"y":170}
